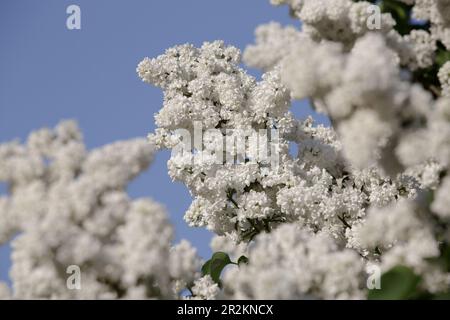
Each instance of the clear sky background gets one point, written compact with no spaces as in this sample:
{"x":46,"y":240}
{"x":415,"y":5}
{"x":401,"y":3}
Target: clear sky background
{"x":49,"y":73}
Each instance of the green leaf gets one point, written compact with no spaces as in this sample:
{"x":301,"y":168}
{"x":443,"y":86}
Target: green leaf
{"x":221,"y":256}
{"x":215,"y":265}
{"x":242,"y":259}
{"x":219,"y":261}
{"x":398,"y":9}
{"x":401,"y":14}
{"x":399,"y":283}
{"x":442,"y":56}
{"x":206,"y":268}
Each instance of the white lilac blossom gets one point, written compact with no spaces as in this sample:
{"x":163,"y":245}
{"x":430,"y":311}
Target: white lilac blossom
{"x":345,"y":20}
{"x":242,"y":199}
{"x":373,"y":189}
{"x":206,"y":86}
{"x":295,"y":263}
{"x":205,"y":288}
{"x":407,"y":238}
{"x":339,"y":20}
{"x":69,"y":207}
{"x":344,"y":77}
{"x":272,"y":43}
{"x":438,"y":13}
{"x":370,"y":105}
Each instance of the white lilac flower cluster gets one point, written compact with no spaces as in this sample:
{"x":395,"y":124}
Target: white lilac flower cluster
{"x":344,"y":20}
{"x":362,"y":90}
{"x":401,"y":234}
{"x":382,"y":119}
{"x":207,"y":87}
{"x":66,"y":206}
{"x":296,"y":263}
{"x":372,"y":189}
{"x":314,"y":188}
{"x":438,"y":13}
{"x":205,"y":288}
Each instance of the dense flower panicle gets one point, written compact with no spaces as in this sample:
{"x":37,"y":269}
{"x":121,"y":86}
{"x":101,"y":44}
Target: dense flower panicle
{"x":345,"y":20}
{"x":341,"y":77}
{"x":70,"y":207}
{"x":207,"y":85}
{"x":272,"y":43}
{"x":360,"y":185}
{"x":407,"y":238}
{"x":216,"y":93}
{"x":371,"y":190}
{"x":371,"y":106}
{"x":184,"y":262}
{"x":326,"y":75}
{"x":313,"y":187}
{"x":438,"y":13}
{"x":295,"y":263}
{"x":205,"y":288}
{"x":342,"y":20}
{"x":383,"y":120}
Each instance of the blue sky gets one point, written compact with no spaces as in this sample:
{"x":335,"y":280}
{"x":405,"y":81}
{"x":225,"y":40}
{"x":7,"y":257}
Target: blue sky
{"x":48,"y":73}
